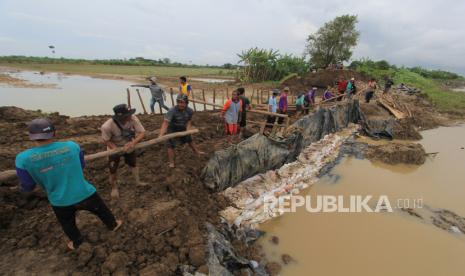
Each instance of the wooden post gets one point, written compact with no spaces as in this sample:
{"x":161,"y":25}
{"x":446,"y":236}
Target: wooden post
{"x":129,"y":98}
{"x":171,"y":95}
{"x":214,"y":97}
{"x":261,"y":97}
{"x":227,"y":92}
{"x":193,"y":97}
{"x":203,"y":97}
{"x":142,"y":102}
{"x":268,"y":95}
{"x":222,"y":97}
{"x":251,"y":98}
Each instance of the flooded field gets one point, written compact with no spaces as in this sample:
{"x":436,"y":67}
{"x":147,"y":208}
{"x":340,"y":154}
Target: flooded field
{"x":380,"y":243}
{"x":74,"y":95}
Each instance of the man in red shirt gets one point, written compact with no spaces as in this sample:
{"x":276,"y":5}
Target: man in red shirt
{"x":341,"y":87}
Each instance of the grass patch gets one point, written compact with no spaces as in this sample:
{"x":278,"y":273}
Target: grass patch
{"x":90,"y":69}
{"x":445,"y":100}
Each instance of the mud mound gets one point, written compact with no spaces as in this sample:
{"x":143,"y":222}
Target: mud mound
{"x":321,"y":79}
{"x":397,"y":153}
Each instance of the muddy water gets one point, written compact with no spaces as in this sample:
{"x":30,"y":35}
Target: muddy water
{"x":380,"y":243}
{"x":74,"y":95}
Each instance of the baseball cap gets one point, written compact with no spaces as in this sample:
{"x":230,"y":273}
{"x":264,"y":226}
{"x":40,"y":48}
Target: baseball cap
{"x":41,"y":129}
{"x":123,"y":111}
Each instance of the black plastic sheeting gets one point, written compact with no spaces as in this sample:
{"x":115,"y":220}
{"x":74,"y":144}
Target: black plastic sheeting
{"x":259,"y":153}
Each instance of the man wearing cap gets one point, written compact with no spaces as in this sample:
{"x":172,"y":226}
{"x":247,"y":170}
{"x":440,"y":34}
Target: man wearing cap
{"x":122,"y":130}
{"x":178,"y":118}
{"x":57,"y":167}
{"x":158,"y":94}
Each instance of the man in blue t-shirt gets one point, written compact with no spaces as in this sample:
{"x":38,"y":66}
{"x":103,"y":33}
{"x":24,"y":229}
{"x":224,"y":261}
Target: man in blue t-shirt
{"x":57,"y":168}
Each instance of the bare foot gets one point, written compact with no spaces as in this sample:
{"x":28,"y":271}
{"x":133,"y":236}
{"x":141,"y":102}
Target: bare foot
{"x":70,"y":245}
{"x":118,"y":225}
{"x":114,"y":193}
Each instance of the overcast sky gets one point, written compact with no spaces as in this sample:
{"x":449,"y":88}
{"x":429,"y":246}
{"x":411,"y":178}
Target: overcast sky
{"x":426,"y":33}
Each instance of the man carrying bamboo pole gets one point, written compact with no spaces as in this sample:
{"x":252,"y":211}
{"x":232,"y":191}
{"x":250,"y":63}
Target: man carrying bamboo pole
{"x":58,"y":168}
{"x":178,"y":118}
{"x":158,"y":94}
{"x":123,"y":129}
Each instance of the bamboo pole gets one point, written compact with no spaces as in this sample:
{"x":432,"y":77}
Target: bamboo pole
{"x":227,"y":93}
{"x":214,"y":97}
{"x":142,"y":102}
{"x":5,"y":175}
{"x":251,"y":110}
{"x":203,"y":97}
{"x":251,"y":98}
{"x":193,"y":97}
{"x":222,"y":97}
{"x":171,"y":95}
{"x":129,"y":97}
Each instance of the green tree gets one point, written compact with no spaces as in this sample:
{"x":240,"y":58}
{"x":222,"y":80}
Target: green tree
{"x":333,"y":42}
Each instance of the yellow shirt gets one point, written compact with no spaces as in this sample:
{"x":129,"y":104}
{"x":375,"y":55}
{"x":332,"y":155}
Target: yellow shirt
{"x":186,"y":89}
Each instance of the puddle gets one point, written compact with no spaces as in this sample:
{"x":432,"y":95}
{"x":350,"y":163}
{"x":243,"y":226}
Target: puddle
{"x":379,"y":243}
{"x":74,"y":95}
{"x":462,"y":89}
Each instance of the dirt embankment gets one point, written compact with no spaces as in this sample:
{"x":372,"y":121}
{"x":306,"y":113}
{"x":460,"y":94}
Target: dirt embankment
{"x":164,"y":222}
{"x":321,"y":79}
{"x":9,"y":80}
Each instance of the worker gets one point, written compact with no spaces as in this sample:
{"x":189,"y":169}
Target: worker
{"x":57,"y":167}
{"x":341,"y":87}
{"x":283,"y":104}
{"x":231,"y":114}
{"x":388,"y":84}
{"x":123,"y":130}
{"x":245,"y":107}
{"x":370,"y":91}
{"x":158,"y":94}
{"x":178,"y":118}
{"x":185,"y":88}
{"x":310,"y":99}
{"x":328,"y":95}
{"x":273,"y":108}
{"x":299,"y":103}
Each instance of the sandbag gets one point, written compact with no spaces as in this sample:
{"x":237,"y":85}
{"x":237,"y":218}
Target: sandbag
{"x":260,"y":153}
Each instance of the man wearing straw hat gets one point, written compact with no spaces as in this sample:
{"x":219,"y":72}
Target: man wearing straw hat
{"x":158,"y":94}
{"x":122,"y":130}
{"x":57,"y":167}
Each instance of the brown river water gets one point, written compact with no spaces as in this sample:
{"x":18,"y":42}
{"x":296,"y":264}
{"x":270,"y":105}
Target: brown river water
{"x":380,"y":243}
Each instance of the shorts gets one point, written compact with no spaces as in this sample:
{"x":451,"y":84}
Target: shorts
{"x":129,"y":159}
{"x":298,"y":108}
{"x":243,"y":122}
{"x":171,"y":143}
{"x":231,"y":129}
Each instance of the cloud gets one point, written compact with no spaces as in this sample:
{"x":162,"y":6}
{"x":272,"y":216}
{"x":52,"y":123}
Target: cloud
{"x":410,"y":32}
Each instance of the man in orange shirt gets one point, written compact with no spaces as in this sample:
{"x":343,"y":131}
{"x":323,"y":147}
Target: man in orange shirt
{"x":231,"y":114}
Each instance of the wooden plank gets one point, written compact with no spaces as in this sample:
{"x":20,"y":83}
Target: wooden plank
{"x":142,"y":102}
{"x":397,"y":113}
